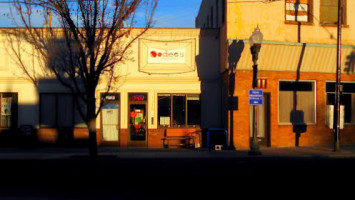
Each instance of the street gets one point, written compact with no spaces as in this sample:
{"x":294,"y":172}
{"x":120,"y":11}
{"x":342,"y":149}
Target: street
{"x":114,"y":177}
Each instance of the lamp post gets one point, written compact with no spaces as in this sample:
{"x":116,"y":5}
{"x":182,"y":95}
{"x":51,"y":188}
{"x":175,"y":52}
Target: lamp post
{"x":255,"y":44}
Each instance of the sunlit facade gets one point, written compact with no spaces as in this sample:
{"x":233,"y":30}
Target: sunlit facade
{"x":297,"y":65}
{"x":170,"y":80}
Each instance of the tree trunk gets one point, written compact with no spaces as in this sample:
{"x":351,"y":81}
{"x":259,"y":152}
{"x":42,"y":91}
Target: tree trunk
{"x":91,"y":109}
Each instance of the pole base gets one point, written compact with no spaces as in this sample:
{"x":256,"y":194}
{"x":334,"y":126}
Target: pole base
{"x":231,"y":148}
{"x":254,"y":151}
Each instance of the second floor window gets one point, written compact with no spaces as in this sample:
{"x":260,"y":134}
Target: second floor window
{"x":329,"y":12}
{"x":298,"y":10}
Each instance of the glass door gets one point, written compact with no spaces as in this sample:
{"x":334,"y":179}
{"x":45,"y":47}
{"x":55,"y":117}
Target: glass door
{"x":137,"y":119}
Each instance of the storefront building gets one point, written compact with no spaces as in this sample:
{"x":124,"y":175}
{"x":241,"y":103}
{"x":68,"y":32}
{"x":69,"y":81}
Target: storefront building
{"x":296,"y":68}
{"x":171,"y":80}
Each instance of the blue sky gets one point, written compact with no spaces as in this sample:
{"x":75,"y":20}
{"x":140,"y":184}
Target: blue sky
{"x":169,"y":14}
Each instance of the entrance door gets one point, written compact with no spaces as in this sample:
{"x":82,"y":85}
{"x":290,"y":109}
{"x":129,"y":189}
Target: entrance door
{"x":138,"y":128}
{"x":137,"y":119}
{"x":110,"y":127}
{"x":263,"y":121}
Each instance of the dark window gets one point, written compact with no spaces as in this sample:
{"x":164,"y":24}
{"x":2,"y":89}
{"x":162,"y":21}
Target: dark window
{"x":347,"y":99}
{"x":194,"y":108}
{"x":8,"y":110}
{"x":223,"y":11}
{"x":329,"y":12}
{"x":164,"y":109}
{"x":217,"y":13}
{"x":179,"y":110}
{"x":57,"y":111}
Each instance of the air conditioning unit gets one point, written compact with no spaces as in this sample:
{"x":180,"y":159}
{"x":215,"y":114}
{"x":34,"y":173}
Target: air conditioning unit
{"x":330,"y":116}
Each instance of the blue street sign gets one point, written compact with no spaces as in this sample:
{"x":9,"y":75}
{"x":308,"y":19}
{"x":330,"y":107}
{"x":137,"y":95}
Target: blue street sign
{"x":255,"y":97}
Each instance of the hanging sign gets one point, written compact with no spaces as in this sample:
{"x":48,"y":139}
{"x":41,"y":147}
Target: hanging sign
{"x":158,"y":56}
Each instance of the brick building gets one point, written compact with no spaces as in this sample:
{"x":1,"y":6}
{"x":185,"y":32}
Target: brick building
{"x":297,"y":65}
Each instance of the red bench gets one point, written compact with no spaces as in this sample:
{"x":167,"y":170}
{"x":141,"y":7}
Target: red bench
{"x":181,"y":137}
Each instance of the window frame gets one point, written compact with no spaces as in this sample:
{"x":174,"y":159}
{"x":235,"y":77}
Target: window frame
{"x":186,"y":125}
{"x":314,"y":83}
{"x":326,"y":98}
{"x":344,"y":15}
{"x":310,"y":15}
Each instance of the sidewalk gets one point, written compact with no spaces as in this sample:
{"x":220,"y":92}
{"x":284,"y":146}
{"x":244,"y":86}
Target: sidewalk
{"x":346,"y":151}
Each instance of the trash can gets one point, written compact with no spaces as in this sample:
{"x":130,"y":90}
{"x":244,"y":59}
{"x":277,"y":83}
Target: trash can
{"x":217,"y":138}
{"x":28,"y":135}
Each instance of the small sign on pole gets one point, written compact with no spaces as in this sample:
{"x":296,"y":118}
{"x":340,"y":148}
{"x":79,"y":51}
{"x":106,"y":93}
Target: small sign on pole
{"x":255,"y":97}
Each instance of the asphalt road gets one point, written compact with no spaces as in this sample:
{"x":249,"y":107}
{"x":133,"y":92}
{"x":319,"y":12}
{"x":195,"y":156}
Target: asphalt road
{"x":110,"y":177}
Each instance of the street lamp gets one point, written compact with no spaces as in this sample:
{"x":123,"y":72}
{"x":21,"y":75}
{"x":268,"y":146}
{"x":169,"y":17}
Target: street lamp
{"x":255,"y":44}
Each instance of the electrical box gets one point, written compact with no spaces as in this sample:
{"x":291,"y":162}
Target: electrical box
{"x":330,"y":116}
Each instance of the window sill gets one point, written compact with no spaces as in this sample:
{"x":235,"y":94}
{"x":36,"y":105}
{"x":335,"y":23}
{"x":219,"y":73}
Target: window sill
{"x":297,"y":23}
{"x":178,"y":127}
{"x":334,"y":25}
{"x":290,"y":124}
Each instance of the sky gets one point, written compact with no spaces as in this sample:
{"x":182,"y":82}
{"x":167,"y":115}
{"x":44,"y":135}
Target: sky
{"x":168,"y":14}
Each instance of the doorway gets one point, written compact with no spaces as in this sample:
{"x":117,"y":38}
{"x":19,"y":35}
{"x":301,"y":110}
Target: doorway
{"x":110,"y":118}
{"x":263,"y":112}
{"x":137,"y":119}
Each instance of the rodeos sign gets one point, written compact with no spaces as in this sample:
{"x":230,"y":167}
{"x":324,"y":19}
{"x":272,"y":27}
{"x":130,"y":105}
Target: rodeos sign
{"x":166,"y":56}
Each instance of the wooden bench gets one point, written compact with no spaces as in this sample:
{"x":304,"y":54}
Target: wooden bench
{"x":181,"y":137}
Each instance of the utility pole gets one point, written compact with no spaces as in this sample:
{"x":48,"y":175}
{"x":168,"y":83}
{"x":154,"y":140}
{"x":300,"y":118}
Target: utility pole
{"x":336,"y":122}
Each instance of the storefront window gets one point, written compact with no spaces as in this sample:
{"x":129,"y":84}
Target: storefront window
{"x":56,"y":110}
{"x":347,"y":99}
{"x":297,"y":102}
{"x":8,"y":110}
{"x":194,"y":108}
{"x":179,"y":110}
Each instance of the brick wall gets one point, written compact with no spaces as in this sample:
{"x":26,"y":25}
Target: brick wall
{"x":282,"y":135}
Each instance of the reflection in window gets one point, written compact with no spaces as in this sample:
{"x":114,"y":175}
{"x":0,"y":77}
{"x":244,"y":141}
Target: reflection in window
{"x":297,"y":102}
{"x":298,"y":10}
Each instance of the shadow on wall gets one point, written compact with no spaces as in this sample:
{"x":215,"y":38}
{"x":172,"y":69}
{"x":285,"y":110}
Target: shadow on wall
{"x":350,"y":63}
{"x":297,"y":116}
{"x":22,"y":131}
{"x":208,"y":69}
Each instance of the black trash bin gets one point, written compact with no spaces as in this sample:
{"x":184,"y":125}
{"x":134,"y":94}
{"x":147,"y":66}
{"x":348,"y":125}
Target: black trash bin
{"x":217,"y":137}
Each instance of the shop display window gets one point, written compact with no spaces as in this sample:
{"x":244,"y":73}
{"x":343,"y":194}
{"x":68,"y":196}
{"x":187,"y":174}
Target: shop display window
{"x":347,"y":99}
{"x":179,"y":110}
{"x":297,"y":102}
{"x":8,"y":110}
{"x":58,"y":110}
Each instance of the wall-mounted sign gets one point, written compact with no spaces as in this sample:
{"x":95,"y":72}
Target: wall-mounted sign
{"x":255,"y":97}
{"x":138,"y":97}
{"x":111,"y":97}
{"x":166,"y":56}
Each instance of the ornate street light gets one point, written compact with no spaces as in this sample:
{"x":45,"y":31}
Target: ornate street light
{"x":255,"y":44}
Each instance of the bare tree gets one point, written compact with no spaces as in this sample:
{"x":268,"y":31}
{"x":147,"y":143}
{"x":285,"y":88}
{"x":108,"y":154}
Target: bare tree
{"x":93,"y":37}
